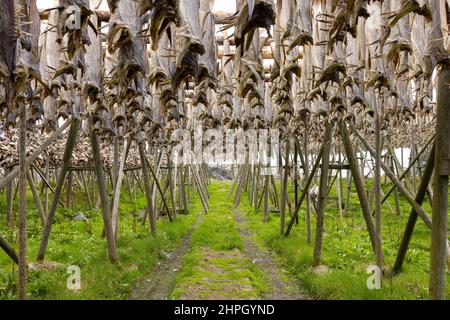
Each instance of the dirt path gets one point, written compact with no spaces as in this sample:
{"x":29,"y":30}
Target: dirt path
{"x":281,"y":286}
{"x":160,"y":282}
{"x":214,"y":272}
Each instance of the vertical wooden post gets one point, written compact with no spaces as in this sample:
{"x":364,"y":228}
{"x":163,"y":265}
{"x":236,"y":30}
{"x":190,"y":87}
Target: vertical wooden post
{"x":103,"y":194}
{"x":172,"y":187}
{"x":347,"y":195}
{"x":359,"y":184}
{"x":284,"y":183}
{"x":47,"y":176}
{"x":22,"y":201}
{"x":266,"y":197}
{"x":117,"y":190}
{"x":308,"y":199}
{"x":440,"y":186}
{"x":323,"y":190}
{"x":69,"y":183}
{"x":339,"y":183}
{"x":295,"y":177}
{"x":9,"y":200}
{"x":86,"y":189}
{"x":70,"y":144}
{"x":37,"y":200}
{"x":377,"y":185}
{"x":420,"y":196}
{"x":148,"y":192}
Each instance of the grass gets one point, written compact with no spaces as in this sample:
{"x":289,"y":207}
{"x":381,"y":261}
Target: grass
{"x":215,"y":258}
{"x":80,"y":243}
{"x":347,"y":252}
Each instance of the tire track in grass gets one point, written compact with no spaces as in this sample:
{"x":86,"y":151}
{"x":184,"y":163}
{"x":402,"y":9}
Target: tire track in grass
{"x":161,"y":281}
{"x":282,"y":286}
{"x":217,"y":275}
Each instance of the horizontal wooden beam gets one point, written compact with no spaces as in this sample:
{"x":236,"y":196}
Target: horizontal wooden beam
{"x":221,"y":17}
{"x":266,"y":53}
{"x":221,"y":39}
{"x":103,"y":16}
{"x":91,"y":168}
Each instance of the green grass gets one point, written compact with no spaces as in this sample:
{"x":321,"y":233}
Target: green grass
{"x":347,"y":252}
{"x":81,"y":244}
{"x":218,"y":228}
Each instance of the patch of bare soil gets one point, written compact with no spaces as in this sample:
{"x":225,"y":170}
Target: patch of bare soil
{"x":160,"y":282}
{"x":319,"y":269}
{"x":45,"y":266}
{"x":281,"y":286}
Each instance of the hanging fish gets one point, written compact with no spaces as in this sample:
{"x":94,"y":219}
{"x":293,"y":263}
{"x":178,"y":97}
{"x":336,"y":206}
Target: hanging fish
{"x":9,"y":34}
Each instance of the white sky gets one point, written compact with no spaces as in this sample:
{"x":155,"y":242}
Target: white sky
{"x":219,"y":5}
{"x":225,"y":5}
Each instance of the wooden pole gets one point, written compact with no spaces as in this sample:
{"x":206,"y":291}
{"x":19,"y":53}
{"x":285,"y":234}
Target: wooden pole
{"x":86,"y":189}
{"x":158,"y":186}
{"x":9,"y":201}
{"x":308,"y":199}
{"x":305,"y":191}
{"x":47,"y":175}
{"x":284,"y":183}
{"x":439,"y":227}
{"x":70,"y":144}
{"x":420,"y":196}
{"x":117,"y":190}
{"x":103,"y":194}
{"x":266,"y":198}
{"x":359,"y":184}
{"x":148,"y":192}
{"x":377,"y":185}
{"x":323,"y":190}
{"x":405,"y":172}
{"x":37,"y":200}
{"x":395,"y":181}
{"x":69,"y":184}
{"x":47,"y":183}
{"x":9,"y":250}
{"x":23,"y":168}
